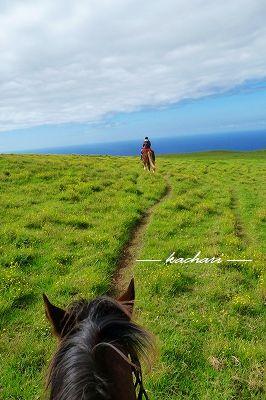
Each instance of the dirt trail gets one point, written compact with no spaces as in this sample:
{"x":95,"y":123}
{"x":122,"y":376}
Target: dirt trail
{"x":132,"y":248}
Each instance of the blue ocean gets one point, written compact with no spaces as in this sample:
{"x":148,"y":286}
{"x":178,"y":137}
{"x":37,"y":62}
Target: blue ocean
{"x":234,"y":141}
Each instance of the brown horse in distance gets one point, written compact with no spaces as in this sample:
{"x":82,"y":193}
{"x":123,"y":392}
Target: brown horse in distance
{"x":148,"y":159}
{"x":99,"y":350}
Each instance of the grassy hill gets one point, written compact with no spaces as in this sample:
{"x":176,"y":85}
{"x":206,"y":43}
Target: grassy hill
{"x":64,"y":221}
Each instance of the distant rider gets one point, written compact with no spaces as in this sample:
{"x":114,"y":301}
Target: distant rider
{"x":146,"y":143}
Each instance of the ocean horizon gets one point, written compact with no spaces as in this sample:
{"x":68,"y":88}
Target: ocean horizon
{"x":229,"y":141}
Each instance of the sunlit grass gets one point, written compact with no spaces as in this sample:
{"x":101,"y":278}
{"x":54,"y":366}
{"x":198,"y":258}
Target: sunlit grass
{"x":64,"y":221}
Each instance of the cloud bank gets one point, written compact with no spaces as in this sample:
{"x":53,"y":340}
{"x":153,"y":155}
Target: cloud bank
{"x":67,"y":62}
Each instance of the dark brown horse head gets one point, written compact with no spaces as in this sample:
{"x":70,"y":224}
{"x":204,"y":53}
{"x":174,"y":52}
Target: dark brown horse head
{"x":99,"y":350}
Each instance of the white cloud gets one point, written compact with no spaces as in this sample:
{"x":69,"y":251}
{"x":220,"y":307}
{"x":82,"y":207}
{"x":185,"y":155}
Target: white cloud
{"x":66,"y":61}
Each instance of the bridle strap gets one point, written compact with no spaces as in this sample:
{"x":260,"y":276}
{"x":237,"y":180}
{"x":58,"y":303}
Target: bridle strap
{"x":133,"y":361}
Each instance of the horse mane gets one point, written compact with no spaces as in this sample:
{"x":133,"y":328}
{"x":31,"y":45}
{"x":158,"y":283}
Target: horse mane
{"x":74,"y":373}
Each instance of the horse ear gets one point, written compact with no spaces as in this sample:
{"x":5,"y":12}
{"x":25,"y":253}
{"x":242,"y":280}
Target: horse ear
{"x":129,"y":296}
{"x":55,"y":315}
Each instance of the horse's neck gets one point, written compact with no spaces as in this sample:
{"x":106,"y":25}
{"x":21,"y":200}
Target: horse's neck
{"x":119,"y":375}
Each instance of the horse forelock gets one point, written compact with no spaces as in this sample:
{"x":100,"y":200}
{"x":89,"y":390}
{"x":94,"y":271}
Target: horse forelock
{"x":74,"y":373}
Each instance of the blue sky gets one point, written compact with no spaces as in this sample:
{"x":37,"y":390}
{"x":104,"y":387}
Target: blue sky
{"x":242,"y":109}
{"x":89,"y":71}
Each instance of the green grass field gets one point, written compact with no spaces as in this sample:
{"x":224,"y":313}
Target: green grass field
{"x":64,"y":221}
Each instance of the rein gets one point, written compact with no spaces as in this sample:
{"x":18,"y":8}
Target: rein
{"x":138,"y":385}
